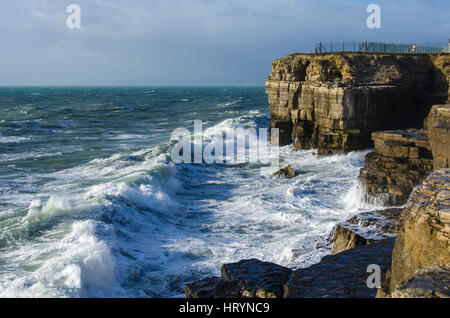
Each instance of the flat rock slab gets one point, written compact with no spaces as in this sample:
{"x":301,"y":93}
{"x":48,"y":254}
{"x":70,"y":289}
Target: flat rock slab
{"x":342,"y":275}
{"x":257,"y":278}
{"x":246,"y":279}
{"x":365,"y":228}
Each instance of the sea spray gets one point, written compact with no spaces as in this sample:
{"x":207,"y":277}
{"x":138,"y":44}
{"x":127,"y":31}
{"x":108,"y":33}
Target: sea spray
{"x":95,"y":207}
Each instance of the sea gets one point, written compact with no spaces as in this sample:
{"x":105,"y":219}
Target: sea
{"x":92,"y":204}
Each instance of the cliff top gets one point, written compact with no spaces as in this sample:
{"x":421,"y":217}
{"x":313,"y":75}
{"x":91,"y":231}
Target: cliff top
{"x":350,"y":68}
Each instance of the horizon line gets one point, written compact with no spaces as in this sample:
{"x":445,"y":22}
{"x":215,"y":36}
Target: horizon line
{"x":129,"y":85}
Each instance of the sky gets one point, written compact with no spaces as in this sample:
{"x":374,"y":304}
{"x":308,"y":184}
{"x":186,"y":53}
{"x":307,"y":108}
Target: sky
{"x":190,"y":42}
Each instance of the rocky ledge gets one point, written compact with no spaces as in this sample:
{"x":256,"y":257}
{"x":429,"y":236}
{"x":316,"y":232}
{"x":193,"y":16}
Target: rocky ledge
{"x":422,"y":248}
{"x":340,"y":275}
{"x":431,"y":282}
{"x":416,"y":263}
{"x":334,"y":102}
{"x":364,"y":229}
{"x":365,"y":239}
{"x":402,"y":159}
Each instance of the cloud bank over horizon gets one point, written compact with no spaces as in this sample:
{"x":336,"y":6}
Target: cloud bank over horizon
{"x":190,"y":42}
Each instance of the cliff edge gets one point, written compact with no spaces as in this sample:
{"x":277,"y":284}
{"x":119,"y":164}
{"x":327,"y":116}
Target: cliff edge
{"x":334,"y":102}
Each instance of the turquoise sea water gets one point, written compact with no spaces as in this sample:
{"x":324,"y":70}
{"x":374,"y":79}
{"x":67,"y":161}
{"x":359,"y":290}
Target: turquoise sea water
{"x":91,"y":204}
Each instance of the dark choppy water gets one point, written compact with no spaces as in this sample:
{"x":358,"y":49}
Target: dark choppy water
{"x":91,"y":204}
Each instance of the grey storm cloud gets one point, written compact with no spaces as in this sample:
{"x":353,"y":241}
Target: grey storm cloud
{"x":190,"y":42}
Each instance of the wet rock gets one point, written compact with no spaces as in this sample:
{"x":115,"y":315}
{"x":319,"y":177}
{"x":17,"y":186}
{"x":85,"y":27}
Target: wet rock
{"x":286,"y":172}
{"x":365,"y":228}
{"x":258,"y":279}
{"x":213,"y":287}
{"x":342,"y":275}
{"x":245,"y":279}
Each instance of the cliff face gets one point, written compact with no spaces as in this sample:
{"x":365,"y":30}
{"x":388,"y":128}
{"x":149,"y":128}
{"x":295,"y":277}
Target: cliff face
{"x":334,"y":102}
{"x":423,"y":243}
{"x":438,"y":124}
{"x":401,"y":160}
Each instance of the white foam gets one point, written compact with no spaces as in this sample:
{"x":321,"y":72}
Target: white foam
{"x":13,"y":139}
{"x":122,"y":227}
{"x":81,"y":265}
{"x":357,"y":199}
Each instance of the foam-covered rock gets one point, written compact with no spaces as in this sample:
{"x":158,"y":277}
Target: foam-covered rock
{"x":365,"y":228}
{"x":287,"y":172}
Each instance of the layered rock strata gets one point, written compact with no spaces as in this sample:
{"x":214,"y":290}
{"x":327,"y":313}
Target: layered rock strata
{"x":401,"y":160}
{"x":431,"y":282}
{"x":424,"y":235}
{"x":438,"y":125}
{"x":333,"y":102}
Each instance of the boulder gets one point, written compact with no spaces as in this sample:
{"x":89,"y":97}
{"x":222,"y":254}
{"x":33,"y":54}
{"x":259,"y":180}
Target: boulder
{"x":343,"y":275}
{"x":213,"y":287}
{"x":286,"y":172}
{"x":258,"y":279}
{"x":246,"y":279}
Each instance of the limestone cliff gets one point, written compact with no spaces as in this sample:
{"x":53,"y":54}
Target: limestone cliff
{"x":438,"y":124}
{"x":333,"y":102}
{"x":401,"y":160}
{"x":424,"y":235}
{"x":337,"y":103}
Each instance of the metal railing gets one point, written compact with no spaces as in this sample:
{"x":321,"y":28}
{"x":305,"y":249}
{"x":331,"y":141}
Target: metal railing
{"x":379,"y":47}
